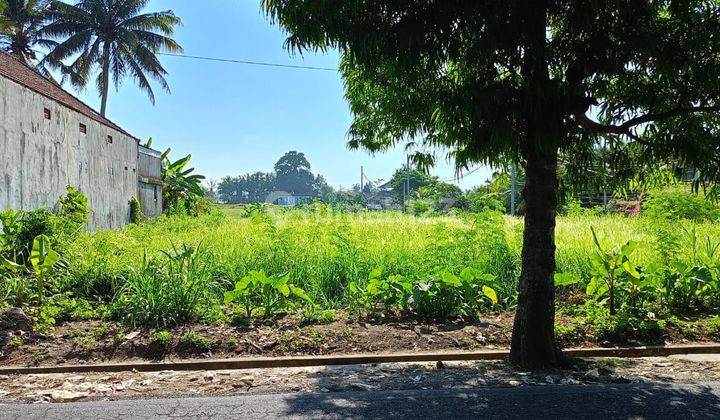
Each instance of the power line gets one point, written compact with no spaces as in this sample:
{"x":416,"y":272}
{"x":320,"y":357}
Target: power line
{"x":457,"y":179}
{"x":253,"y":63}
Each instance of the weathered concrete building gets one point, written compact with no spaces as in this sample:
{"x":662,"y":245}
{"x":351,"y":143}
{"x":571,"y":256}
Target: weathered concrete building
{"x":49,"y":139}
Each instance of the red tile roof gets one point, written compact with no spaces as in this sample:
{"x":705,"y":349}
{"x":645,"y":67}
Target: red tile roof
{"x":12,"y":69}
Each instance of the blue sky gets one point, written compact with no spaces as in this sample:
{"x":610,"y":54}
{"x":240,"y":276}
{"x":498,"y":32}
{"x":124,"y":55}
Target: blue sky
{"x":237,"y":118}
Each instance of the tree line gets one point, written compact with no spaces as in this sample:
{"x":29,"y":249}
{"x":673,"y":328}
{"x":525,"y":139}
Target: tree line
{"x":291,"y":175}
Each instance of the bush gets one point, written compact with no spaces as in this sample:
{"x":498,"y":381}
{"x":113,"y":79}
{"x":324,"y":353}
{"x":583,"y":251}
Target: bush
{"x":167,"y":291}
{"x":20,"y":228}
{"x":441,"y":296}
{"x":136,"y":215}
{"x":678,"y":203}
{"x":271,"y":294}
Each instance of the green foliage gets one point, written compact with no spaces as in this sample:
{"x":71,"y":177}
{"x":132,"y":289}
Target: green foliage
{"x":442,"y":295}
{"x":63,"y":308}
{"x":196,"y":342}
{"x":182,"y":189}
{"x":611,"y":268}
{"x":20,"y":228}
{"x":271,"y":294}
{"x":479,"y":201}
{"x":292,"y":175}
{"x":74,"y":207}
{"x":41,"y":264}
{"x":113,"y":37}
{"x":678,"y":203}
{"x":136,"y":215}
{"x":169,"y":290}
{"x":318,"y":316}
{"x":22,"y":31}
{"x":162,"y":338}
{"x":324,"y":250}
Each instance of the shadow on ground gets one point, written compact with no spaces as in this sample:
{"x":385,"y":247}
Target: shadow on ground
{"x":656,"y":400}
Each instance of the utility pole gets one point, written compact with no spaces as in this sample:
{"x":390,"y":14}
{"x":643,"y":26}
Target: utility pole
{"x":362,"y":186}
{"x":513,"y":176}
{"x":407,"y":180}
{"x":605,"y":198}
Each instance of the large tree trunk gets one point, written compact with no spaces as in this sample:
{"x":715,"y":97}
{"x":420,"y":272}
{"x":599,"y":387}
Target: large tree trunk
{"x":105,"y":78}
{"x":533,"y":339}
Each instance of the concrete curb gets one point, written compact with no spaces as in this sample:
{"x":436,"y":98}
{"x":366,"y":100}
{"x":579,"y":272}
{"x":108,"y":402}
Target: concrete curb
{"x":355,"y":359}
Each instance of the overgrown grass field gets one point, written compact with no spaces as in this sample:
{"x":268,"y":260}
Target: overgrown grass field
{"x":323,"y":251}
{"x":245,"y":262}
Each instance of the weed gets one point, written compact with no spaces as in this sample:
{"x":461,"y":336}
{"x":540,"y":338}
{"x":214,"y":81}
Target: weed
{"x":162,"y":339}
{"x":167,"y":291}
{"x":197,"y":342}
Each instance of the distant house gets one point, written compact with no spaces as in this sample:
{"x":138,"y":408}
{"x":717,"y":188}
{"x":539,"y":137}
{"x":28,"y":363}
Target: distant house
{"x":50,"y":139}
{"x":293,"y":200}
{"x":382,"y":198}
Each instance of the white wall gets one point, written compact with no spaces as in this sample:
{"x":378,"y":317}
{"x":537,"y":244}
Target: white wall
{"x":39,"y":157}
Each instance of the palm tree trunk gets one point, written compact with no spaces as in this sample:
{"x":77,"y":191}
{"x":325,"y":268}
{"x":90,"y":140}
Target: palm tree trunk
{"x":105,"y":78}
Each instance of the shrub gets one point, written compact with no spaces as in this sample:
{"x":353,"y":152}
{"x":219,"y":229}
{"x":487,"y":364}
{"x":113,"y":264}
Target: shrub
{"x":166,"y":291}
{"x":20,"y":228}
{"x":136,"y":215}
{"x":271,"y":294}
{"x":678,"y":203}
{"x":74,"y":208}
{"x":441,"y":296}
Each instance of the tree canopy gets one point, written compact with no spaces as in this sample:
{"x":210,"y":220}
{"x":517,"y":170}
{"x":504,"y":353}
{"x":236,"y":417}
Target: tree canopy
{"x":21,"y":31}
{"x":114,"y":36}
{"x":502,"y":81}
{"x":292,"y":175}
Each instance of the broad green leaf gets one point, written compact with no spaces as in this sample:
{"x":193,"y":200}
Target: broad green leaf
{"x":283,"y":288}
{"x":490,"y":293}
{"x":296,"y":291}
{"x":630,"y":269}
{"x":229,"y":296}
{"x":595,"y":239}
{"x":353,"y":287}
{"x":630,"y":247}
{"x":593,"y":286}
{"x":566,"y":279}
{"x":450,"y":279}
{"x":12,"y":266}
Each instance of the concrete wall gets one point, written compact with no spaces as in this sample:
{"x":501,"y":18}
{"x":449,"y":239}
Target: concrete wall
{"x":150,"y":197}
{"x":39,"y":157}
{"x":150,"y":186}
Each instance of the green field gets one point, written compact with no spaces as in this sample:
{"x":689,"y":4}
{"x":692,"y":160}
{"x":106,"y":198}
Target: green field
{"x":177,"y":269}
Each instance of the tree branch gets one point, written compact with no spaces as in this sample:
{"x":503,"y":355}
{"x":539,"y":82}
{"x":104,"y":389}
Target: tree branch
{"x":624,"y":128}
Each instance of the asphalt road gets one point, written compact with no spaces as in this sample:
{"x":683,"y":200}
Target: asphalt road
{"x":700,"y":400}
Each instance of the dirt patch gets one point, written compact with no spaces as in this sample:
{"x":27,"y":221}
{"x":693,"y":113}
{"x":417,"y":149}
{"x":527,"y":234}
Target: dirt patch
{"x":99,"y":341}
{"x":105,"y":341}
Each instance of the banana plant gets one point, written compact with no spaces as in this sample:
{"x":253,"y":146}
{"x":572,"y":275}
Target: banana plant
{"x":43,"y":260}
{"x":609,"y":268}
{"x":179,"y":182}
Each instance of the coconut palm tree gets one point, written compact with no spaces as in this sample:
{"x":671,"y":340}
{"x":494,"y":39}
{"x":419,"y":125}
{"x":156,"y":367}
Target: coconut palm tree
{"x":114,"y":37}
{"x":21,"y":30}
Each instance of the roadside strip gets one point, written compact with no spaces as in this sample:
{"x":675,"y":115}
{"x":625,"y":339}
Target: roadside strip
{"x":353,"y":359}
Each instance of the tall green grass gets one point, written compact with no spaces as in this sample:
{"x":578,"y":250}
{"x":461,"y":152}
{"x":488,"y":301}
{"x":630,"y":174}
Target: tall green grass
{"x":323,"y":250}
